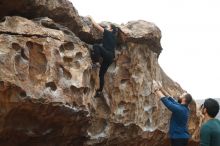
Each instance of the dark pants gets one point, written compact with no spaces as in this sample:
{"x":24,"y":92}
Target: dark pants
{"x":107,"y":57}
{"x":179,"y":142}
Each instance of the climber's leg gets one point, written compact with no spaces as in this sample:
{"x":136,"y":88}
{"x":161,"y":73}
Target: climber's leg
{"x":107,"y":58}
{"x":107,"y":61}
{"x":106,"y":55}
{"x":103,"y":70}
{"x":95,"y":53}
{"x":179,"y":142}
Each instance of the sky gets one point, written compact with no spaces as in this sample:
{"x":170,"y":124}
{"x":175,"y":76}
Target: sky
{"x":190,"y":36}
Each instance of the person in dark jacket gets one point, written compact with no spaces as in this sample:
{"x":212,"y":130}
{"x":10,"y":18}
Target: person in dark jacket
{"x":210,"y":130}
{"x":106,"y":51}
{"x":178,"y":130}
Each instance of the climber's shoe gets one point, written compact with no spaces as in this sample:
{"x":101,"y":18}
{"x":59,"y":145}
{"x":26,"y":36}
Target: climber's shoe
{"x":90,"y":47}
{"x":98,"y":94}
{"x":95,"y":65}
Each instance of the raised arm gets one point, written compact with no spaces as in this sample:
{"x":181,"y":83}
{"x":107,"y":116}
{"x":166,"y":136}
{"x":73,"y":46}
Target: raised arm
{"x":96,"y":24}
{"x":165,"y":92}
{"x":168,"y":95}
{"x":169,"y":102}
{"x":159,"y":93}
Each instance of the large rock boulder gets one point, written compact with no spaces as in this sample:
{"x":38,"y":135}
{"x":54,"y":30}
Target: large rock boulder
{"x":47,"y":83}
{"x":61,"y":11}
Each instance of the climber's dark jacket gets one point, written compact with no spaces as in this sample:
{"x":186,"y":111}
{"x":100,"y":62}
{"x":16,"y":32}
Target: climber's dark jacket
{"x":109,"y":41}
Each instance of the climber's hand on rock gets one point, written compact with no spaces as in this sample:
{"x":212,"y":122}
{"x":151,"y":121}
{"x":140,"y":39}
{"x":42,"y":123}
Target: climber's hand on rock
{"x":165,"y":92}
{"x":90,"y":18}
{"x":159,"y":84}
{"x":99,"y":27}
{"x":156,"y":86}
{"x":159,"y":93}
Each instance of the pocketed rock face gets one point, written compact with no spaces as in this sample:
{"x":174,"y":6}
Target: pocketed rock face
{"x":61,"y":11}
{"x":47,"y":85}
{"x":45,"y":80}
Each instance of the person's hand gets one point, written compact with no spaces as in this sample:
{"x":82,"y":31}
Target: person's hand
{"x":90,"y":17}
{"x":156,"y":86}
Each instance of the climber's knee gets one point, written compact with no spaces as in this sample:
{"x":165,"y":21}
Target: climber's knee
{"x":95,"y":47}
{"x":95,"y":53}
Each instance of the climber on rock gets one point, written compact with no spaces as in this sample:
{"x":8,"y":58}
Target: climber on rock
{"x":178,"y":130}
{"x":104,"y":51}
